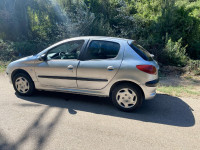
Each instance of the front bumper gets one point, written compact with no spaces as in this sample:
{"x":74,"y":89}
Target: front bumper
{"x":9,"y":76}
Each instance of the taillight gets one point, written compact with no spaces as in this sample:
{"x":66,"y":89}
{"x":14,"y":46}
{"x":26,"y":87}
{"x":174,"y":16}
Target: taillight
{"x":147,"y":68}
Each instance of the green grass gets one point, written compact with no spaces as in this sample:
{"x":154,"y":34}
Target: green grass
{"x":178,"y":90}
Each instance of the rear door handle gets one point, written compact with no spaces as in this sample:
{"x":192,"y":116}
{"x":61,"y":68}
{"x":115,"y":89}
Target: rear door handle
{"x":70,"y":67}
{"x":110,"y":68}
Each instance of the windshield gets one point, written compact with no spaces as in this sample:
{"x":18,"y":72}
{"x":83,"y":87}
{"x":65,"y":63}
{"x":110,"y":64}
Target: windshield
{"x":141,"y":51}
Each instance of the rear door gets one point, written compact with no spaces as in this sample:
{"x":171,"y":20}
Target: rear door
{"x":100,"y":63}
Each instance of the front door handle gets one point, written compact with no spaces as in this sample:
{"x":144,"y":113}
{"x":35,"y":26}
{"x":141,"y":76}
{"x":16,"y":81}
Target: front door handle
{"x":110,"y":68}
{"x":70,"y":67}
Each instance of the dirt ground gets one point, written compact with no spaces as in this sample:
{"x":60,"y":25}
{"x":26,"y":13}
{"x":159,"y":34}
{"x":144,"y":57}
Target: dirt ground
{"x":177,"y":81}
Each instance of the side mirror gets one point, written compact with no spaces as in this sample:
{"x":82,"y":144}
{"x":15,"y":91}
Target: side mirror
{"x":152,"y":55}
{"x":42,"y":57}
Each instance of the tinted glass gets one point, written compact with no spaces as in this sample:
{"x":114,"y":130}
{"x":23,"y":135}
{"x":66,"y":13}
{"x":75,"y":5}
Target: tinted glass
{"x":69,"y":50}
{"x":141,"y":51}
{"x":102,"y":50}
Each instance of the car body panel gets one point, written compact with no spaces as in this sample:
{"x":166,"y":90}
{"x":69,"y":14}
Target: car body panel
{"x":55,"y":73}
{"x":58,"y":73}
{"x":101,"y":71}
{"x":27,"y":64}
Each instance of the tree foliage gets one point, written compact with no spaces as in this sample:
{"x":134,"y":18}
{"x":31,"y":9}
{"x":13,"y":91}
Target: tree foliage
{"x":35,"y":24}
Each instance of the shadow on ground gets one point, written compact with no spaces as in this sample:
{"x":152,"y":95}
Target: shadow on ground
{"x":164,"y":109}
{"x":36,"y":132}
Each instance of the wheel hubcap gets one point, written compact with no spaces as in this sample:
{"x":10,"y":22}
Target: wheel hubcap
{"x":22,"y":85}
{"x":126,"y":98}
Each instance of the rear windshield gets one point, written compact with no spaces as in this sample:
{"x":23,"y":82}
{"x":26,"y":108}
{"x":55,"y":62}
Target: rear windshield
{"x":141,"y":51}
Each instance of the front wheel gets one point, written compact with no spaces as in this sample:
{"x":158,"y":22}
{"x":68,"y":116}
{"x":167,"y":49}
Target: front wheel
{"x":23,"y":84}
{"x":127,"y":97}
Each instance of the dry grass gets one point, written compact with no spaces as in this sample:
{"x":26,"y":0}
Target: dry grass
{"x":184,"y":86}
{"x":3,"y":66}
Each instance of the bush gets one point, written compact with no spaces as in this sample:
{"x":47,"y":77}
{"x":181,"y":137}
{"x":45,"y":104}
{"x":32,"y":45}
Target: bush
{"x":27,"y":48}
{"x":194,"y":66}
{"x":7,"y":52}
{"x":10,"y":51}
{"x":175,"y":53}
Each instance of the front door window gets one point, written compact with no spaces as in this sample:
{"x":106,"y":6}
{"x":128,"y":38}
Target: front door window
{"x":69,"y":50}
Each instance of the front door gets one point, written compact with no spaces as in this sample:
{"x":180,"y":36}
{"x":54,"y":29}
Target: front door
{"x":59,"y":69}
{"x":101,"y":62}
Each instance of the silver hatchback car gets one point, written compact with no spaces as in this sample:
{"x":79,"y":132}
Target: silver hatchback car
{"x":101,"y":66}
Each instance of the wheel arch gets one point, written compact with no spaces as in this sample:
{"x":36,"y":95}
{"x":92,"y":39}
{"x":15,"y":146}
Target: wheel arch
{"x":126,"y":82}
{"x":19,"y":71}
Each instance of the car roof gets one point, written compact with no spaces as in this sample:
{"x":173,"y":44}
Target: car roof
{"x":91,"y":38}
{"x":99,"y":38}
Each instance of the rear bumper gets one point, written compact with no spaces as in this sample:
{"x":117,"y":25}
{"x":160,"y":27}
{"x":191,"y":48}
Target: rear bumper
{"x":149,"y":89}
{"x":152,"y":83}
{"x":150,"y":96}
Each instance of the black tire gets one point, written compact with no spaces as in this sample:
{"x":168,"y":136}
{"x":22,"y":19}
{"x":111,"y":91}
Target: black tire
{"x":137,"y":100}
{"x":31,"y":85}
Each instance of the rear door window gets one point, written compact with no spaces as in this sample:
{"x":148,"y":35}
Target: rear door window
{"x":141,"y":51}
{"x":102,"y":50}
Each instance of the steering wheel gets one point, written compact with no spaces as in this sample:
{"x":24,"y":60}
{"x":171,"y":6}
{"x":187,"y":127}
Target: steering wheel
{"x":62,"y":55}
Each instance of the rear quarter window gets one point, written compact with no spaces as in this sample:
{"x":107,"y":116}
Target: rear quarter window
{"x":140,"y":51}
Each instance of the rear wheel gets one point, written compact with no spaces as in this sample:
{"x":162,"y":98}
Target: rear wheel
{"x":23,"y":84}
{"x":127,"y":97}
